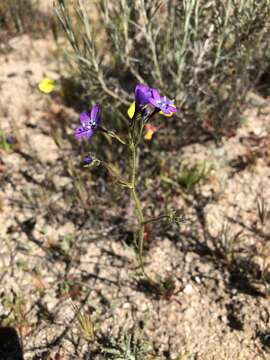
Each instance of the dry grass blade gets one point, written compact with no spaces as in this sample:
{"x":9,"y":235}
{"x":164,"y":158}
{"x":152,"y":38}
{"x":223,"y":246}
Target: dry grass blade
{"x":85,"y":323}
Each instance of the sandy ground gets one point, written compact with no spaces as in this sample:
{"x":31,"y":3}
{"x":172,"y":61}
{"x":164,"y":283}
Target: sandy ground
{"x":52,"y":249}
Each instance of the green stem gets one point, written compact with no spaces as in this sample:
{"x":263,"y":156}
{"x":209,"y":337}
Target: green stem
{"x":111,"y":170}
{"x":133,"y":165}
{"x":141,"y":227}
{"x":112,"y":135}
{"x":138,"y":209}
{"x":149,"y":221}
{"x":140,"y":133}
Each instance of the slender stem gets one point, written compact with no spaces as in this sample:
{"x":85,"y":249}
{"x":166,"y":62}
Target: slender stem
{"x":133,"y":164}
{"x":140,"y":133}
{"x":138,"y":208}
{"x":149,"y":221}
{"x":141,"y":234}
{"x":112,"y":135}
{"x":141,"y":224}
{"x":112,"y":171}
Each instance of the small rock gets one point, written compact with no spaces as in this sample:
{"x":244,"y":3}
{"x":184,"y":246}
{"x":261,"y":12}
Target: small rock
{"x":61,"y":181}
{"x":188,"y":289}
{"x":45,"y":148}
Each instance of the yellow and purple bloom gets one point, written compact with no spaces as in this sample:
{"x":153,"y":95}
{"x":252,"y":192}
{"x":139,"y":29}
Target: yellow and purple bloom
{"x":145,"y":95}
{"x":142,"y":94}
{"x":89,"y":123}
{"x":164,"y":105}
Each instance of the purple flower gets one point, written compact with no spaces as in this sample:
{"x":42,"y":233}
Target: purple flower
{"x":145,"y":95}
{"x":89,"y":123}
{"x":10,"y":139}
{"x":87,"y":160}
{"x":142,"y":95}
{"x":165,"y":105}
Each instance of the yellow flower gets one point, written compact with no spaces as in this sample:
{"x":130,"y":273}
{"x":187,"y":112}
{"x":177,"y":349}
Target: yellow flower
{"x":150,"y":130}
{"x":46,"y":85}
{"x":149,"y":134}
{"x":131,"y":110}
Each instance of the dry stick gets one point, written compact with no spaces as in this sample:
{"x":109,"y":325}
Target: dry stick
{"x":148,"y":34}
{"x":99,"y":72}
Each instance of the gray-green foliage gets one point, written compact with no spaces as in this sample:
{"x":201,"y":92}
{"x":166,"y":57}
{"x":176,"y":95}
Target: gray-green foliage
{"x":19,"y":16}
{"x":205,"y":54}
{"x":12,"y":14}
{"x":128,"y":347}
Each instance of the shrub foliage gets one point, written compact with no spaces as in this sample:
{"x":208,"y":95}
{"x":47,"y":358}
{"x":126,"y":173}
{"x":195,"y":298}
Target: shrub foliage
{"x":205,"y":54}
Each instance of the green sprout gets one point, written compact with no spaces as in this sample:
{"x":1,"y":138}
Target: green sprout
{"x":189,"y":177}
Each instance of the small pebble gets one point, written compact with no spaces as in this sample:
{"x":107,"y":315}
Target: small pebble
{"x":188,"y":289}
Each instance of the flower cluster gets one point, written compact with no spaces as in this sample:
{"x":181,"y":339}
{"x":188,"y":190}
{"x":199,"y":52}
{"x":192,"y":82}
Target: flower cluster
{"x":144,"y":96}
{"x":148,"y":96}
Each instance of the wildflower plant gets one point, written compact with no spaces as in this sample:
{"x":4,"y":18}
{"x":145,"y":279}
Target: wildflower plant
{"x":148,"y":103}
{"x":127,"y":347}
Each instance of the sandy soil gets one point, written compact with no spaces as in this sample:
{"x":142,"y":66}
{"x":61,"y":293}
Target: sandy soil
{"x":52,"y":249}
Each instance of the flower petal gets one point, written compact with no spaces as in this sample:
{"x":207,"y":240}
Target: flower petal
{"x":81,"y":133}
{"x":166,"y":114}
{"x":142,"y":94}
{"x":155,"y":94}
{"x":46,"y":85}
{"x":150,"y":131}
{"x":131,"y":110}
{"x":84,"y":118}
{"x":169,"y":111}
{"x":153,"y":102}
{"x":172,"y":107}
{"x":149,"y":134}
{"x":95,"y":113}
